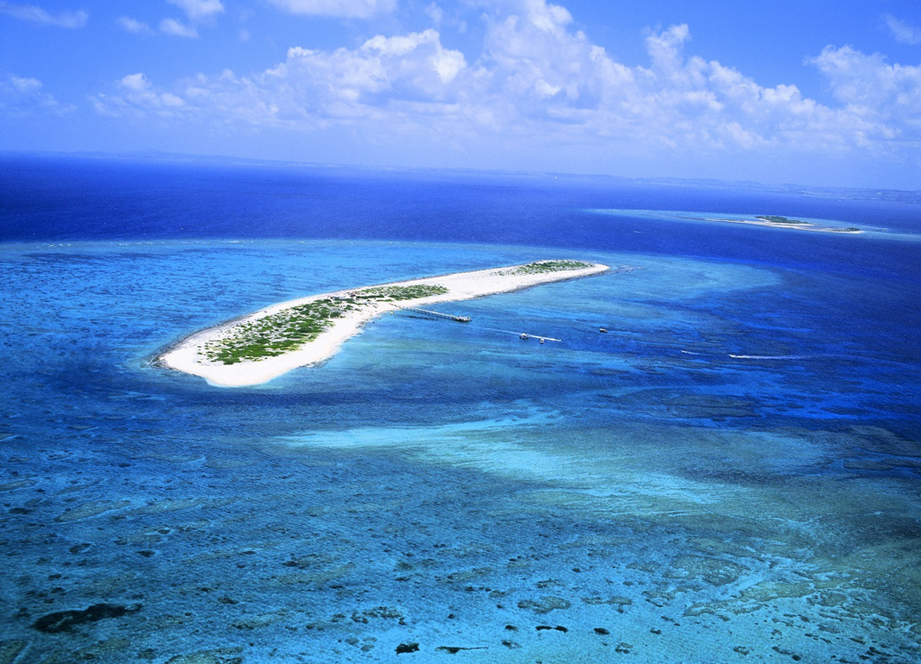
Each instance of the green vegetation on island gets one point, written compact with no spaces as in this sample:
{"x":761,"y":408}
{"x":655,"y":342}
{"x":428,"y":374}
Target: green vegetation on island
{"x":539,"y":267}
{"x":785,"y":221}
{"x":392,"y":293}
{"x":289,"y":329}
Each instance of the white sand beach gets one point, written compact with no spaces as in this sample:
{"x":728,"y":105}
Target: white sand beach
{"x":189,"y":355}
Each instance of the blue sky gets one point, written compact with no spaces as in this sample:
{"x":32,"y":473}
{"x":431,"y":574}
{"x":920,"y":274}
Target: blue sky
{"x":815,"y":92}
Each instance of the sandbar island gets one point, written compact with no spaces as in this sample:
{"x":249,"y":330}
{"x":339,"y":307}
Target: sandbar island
{"x":776,"y":221}
{"x":263,"y":345}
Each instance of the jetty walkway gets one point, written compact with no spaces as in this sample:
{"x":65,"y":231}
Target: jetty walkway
{"x":433,"y":315}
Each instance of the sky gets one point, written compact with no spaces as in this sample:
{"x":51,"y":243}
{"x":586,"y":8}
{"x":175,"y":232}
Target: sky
{"x":812,"y":92}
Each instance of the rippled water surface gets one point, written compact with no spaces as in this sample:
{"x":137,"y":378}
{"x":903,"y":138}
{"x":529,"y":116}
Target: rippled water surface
{"x":730,"y":473}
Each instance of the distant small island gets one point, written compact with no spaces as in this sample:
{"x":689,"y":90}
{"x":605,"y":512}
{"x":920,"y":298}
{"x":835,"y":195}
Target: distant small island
{"x":785,"y":222}
{"x":266,"y":344}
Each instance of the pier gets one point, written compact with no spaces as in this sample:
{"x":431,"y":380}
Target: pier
{"x":416,"y":312}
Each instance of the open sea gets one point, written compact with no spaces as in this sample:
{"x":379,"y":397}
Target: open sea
{"x":732,"y":473}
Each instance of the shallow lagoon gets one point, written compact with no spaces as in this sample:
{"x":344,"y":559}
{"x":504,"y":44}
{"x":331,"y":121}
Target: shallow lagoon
{"x":731,"y":473}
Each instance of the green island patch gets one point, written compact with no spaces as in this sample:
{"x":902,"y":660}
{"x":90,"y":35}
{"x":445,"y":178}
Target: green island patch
{"x":396,"y":293}
{"x":289,"y":329}
{"x":540,"y":267}
{"x":785,"y":221}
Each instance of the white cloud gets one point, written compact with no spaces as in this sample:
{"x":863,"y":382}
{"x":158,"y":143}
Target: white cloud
{"x":903,"y":32}
{"x":138,"y":98}
{"x":171,"y":26}
{"x":887,"y":95}
{"x":197,"y":12}
{"x":666,"y":48}
{"x":36,"y":14}
{"x":199,"y":9}
{"x":414,"y":68}
{"x":539,"y":83}
{"x":133,"y":25}
{"x":545,"y":77}
{"x":339,"y":8}
{"x":23,"y":96}
{"x":311,"y":88}
{"x":531,"y":59}
{"x":135,"y":82}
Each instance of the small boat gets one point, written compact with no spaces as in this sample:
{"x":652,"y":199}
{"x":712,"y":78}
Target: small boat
{"x":524,"y":336}
{"x":603,"y":330}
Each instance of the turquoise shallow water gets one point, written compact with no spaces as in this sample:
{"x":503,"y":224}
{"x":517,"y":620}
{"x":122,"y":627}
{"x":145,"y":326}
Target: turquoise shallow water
{"x":731,"y":473}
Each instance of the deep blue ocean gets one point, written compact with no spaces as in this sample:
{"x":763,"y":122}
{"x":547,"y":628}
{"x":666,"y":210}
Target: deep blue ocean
{"x":731,"y":473}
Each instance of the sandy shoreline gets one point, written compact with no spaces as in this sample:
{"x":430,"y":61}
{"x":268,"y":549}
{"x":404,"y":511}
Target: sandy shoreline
{"x":187,"y":355}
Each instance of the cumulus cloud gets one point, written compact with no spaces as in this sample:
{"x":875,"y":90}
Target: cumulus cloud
{"x":199,"y":9}
{"x":339,"y":8}
{"x":539,"y":79}
{"x":36,"y":14}
{"x":536,"y":70}
{"x":137,"y":98}
{"x":903,"y":32}
{"x":133,"y":25}
{"x":531,"y":59}
{"x":23,"y":96}
{"x":311,"y":87}
{"x":887,"y":95}
{"x":171,"y":26}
